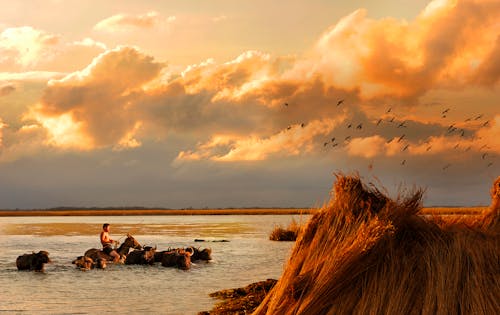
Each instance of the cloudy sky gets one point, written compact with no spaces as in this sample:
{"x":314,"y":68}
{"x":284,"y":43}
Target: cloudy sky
{"x":228,"y":103}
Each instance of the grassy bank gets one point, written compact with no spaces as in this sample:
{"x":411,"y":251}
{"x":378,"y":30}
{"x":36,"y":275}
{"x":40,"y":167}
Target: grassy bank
{"x":142,"y":212}
{"x":245,"y":211}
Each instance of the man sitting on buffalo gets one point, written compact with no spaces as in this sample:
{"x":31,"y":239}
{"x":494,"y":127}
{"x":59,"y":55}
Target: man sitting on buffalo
{"x":107,"y":243}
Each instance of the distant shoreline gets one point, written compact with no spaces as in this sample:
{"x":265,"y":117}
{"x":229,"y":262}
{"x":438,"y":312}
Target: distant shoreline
{"x":245,"y":211}
{"x":131,"y":212}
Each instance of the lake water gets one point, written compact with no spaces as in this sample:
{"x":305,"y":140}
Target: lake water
{"x":249,"y":256}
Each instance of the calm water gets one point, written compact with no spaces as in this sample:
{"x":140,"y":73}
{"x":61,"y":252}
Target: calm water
{"x":248,"y":257}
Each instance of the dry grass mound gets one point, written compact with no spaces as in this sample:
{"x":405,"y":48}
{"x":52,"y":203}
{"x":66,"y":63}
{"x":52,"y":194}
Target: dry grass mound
{"x":367,"y":254}
{"x":286,"y":234}
{"x":242,"y":300}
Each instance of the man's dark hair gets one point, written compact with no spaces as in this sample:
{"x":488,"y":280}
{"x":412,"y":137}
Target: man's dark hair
{"x":105,"y":225}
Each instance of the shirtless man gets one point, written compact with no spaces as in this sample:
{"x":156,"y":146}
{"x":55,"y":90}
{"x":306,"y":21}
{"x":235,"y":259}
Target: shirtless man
{"x":107,"y":243}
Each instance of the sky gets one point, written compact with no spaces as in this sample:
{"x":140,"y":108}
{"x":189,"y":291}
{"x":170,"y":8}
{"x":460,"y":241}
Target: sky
{"x":228,"y":103}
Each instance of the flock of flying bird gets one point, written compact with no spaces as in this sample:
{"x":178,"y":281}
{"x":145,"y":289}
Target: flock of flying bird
{"x":451,"y":130}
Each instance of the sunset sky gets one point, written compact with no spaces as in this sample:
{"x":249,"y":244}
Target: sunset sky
{"x":229,"y":103}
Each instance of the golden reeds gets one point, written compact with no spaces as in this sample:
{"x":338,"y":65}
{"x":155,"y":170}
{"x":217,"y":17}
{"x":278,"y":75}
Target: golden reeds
{"x":289,"y":233}
{"x":367,"y":254}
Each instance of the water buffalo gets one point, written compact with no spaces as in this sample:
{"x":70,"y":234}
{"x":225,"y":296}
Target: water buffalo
{"x":87,"y":263}
{"x":34,"y":261}
{"x":123,"y":250}
{"x":203,"y":254}
{"x":144,"y":256}
{"x":179,"y":258}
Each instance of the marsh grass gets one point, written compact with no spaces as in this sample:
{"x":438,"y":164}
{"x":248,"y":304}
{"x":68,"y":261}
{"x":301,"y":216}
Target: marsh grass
{"x":141,"y":212}
{"x":367,"y":254}
{"x":245,"y":211}
{"x":289,"y":233}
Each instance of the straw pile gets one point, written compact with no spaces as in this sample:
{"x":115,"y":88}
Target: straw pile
{"x":367,"y":254}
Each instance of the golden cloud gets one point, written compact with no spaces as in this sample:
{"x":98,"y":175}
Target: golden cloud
{"x":294,"y":141}
{"x":123,"y":22}
{"x":24,"y":49}
{"x":366,"y":147}
{"x":25,"y":46}
{"x":241,"y":109}
{"x":94,"y":106}
{"x":450,"y":42}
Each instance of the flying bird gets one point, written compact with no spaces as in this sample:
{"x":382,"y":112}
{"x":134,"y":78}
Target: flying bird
{"x":347,"y":138}
{"x":335,"y":144}
{"x":349,"y":126}
{"x":490,"y":164}
{"x":445,"y":111}
{"x":403,"y":162}
{"x":486,"y":123}
{"x":378,"y":122}
{"x":401,"y":138}
{"x":452,"y":129}
{"x":389,"y":110}
{"x":478,"y":117}
{"x":406,"y":147}
{"x":325,"y":144}
{"x":359,"y":126}
{"x":402,"y":125}
{"x":302,"y":125}
{"x":340,"y":102}
{"x":446,"y":166}
{"x":456,"y":146}
{"x":462,"y":133}
{"x":286,"y":104}
{"x":428,"y":148}
{"x":333,"y":139}
{"x":392,"y":119}
{"x":484,"y":155}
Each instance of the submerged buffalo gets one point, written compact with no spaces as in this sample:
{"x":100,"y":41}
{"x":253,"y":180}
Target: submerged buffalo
{"x":179,"y":258}
{"x":144,"y":256}
{"x":34,"y":261}
{"x":200,"y":254}
{"x":87,"y":263}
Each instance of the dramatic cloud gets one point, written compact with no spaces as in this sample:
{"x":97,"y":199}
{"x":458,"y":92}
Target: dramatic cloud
{"x":254,"y":107}
{"x":299,"y":139}
{"x":449,"y":43}
{"x":24,"y":49}
{"x":94,"y":107}
{"x":123,"y":22}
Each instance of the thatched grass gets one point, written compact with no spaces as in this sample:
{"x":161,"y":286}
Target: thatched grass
{"x":289,"y":233}
{"x":242,"y":300}
{"x":367,"y":254}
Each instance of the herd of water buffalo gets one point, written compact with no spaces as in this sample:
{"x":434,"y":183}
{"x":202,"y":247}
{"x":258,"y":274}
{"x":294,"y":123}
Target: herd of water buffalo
{"x":131,"y":253}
